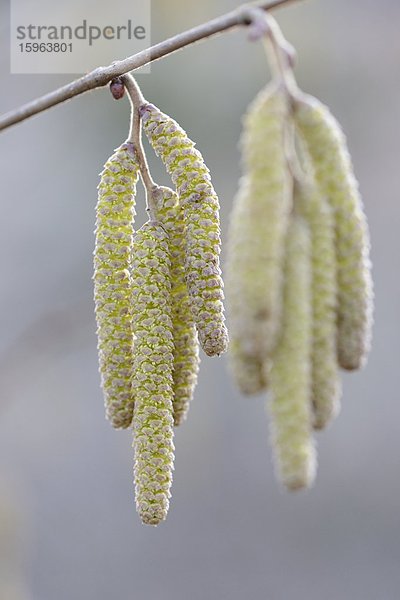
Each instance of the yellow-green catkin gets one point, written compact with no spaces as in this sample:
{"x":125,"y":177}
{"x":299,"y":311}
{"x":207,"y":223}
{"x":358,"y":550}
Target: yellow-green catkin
{"x":152,"y":382}
{"x":201,"y":215}
{"x":186,"y":345}
{"x":290,"y":375}
{"x":112,"y":262}
{"x":256,"y":240}
{"x":334,"y":173}
{"x":318,"y":213}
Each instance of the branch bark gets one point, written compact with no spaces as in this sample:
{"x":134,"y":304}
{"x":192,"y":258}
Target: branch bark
{"x":103,"y":75}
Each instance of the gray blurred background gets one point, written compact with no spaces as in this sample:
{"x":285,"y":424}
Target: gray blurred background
{"x":231,"y":532}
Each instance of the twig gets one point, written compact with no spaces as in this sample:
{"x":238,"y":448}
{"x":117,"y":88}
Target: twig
{"x":135,"y":137}
{"x":103,"y":75}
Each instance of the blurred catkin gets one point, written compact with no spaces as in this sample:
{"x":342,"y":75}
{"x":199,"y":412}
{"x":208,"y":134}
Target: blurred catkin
{"x":112,"y":262}
{"x":334,"y":173}
{"x":201,"y":216}
{"x":318,"y":213}
{"x":186,"y":346}
{"x":152,"y":382}
{"x":290,"y":375}
{"x":256,"y":240}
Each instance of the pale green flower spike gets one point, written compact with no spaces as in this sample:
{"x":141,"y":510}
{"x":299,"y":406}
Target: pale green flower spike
{"x":290,"y":375}
{"x":256,"y":240}
{"x":326,"y":388}
{"x":186,"y":345}
{"x":112,"y":262}
{"x":334,"y":174}
{"x":152,"y":381}
{"x":201,"y":215}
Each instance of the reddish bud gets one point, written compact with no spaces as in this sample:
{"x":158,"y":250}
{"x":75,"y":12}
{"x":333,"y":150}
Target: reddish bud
{"x":117,"y":88}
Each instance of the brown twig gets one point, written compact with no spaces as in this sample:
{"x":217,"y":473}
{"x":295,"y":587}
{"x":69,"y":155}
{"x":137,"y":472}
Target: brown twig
{"x":135,"y":137}
{"x":103,"y":75}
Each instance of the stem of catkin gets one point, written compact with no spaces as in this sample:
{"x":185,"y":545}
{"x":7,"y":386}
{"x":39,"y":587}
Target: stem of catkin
{"x":136,"y":99}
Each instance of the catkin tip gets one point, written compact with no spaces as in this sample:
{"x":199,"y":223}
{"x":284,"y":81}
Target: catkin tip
{"x":248,"y":373}
{"x":216,"y":344}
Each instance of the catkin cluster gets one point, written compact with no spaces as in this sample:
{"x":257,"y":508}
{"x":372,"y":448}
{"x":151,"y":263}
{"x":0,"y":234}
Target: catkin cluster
{"x":299,"y":288}
{"x":158,"y":293}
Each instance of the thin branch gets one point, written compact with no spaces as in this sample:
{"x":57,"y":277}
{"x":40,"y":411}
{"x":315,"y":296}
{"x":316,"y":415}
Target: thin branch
{"x":103,"y":75}
{"x":135,"y":96}
{"x":135,"y":137}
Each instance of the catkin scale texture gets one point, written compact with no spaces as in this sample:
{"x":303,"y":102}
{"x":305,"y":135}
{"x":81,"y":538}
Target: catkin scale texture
{"x":334,"y":173}
{"x":256,"y":240}
{"x":112,"y":262}
{"x":318,"y":213}
{"x":186,"y":346}
{"x":152,"y":382}
{"x":290,"y":374}
{"x":201,"y":215}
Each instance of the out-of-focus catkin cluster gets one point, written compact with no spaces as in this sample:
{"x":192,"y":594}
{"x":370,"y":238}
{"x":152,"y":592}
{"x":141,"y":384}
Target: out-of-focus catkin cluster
{"x":299,"y":290}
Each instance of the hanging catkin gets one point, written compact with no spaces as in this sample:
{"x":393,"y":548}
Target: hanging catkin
{"x":290,"y":375}
{"x":186,"y":346}
{"x":201,"y":215}
{"x":318,"y":213}
{"x":152,"y":372}
{"x":256,"y":240}
{"x":245,"y":362}
{"x":112,"y":262}
{"x":334,"y":173}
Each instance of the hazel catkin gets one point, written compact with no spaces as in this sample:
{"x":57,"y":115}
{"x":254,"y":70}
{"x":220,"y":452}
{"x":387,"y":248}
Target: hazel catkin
{"x":256,"y":240}
{"x":201,"y":216}
{"x":112,"y":262}
{"x":152,"y":383}
{"x":318,"y":213}
{"x":186,"y":346}
{"x":334,"y":173}
{"x":290,"y":375}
